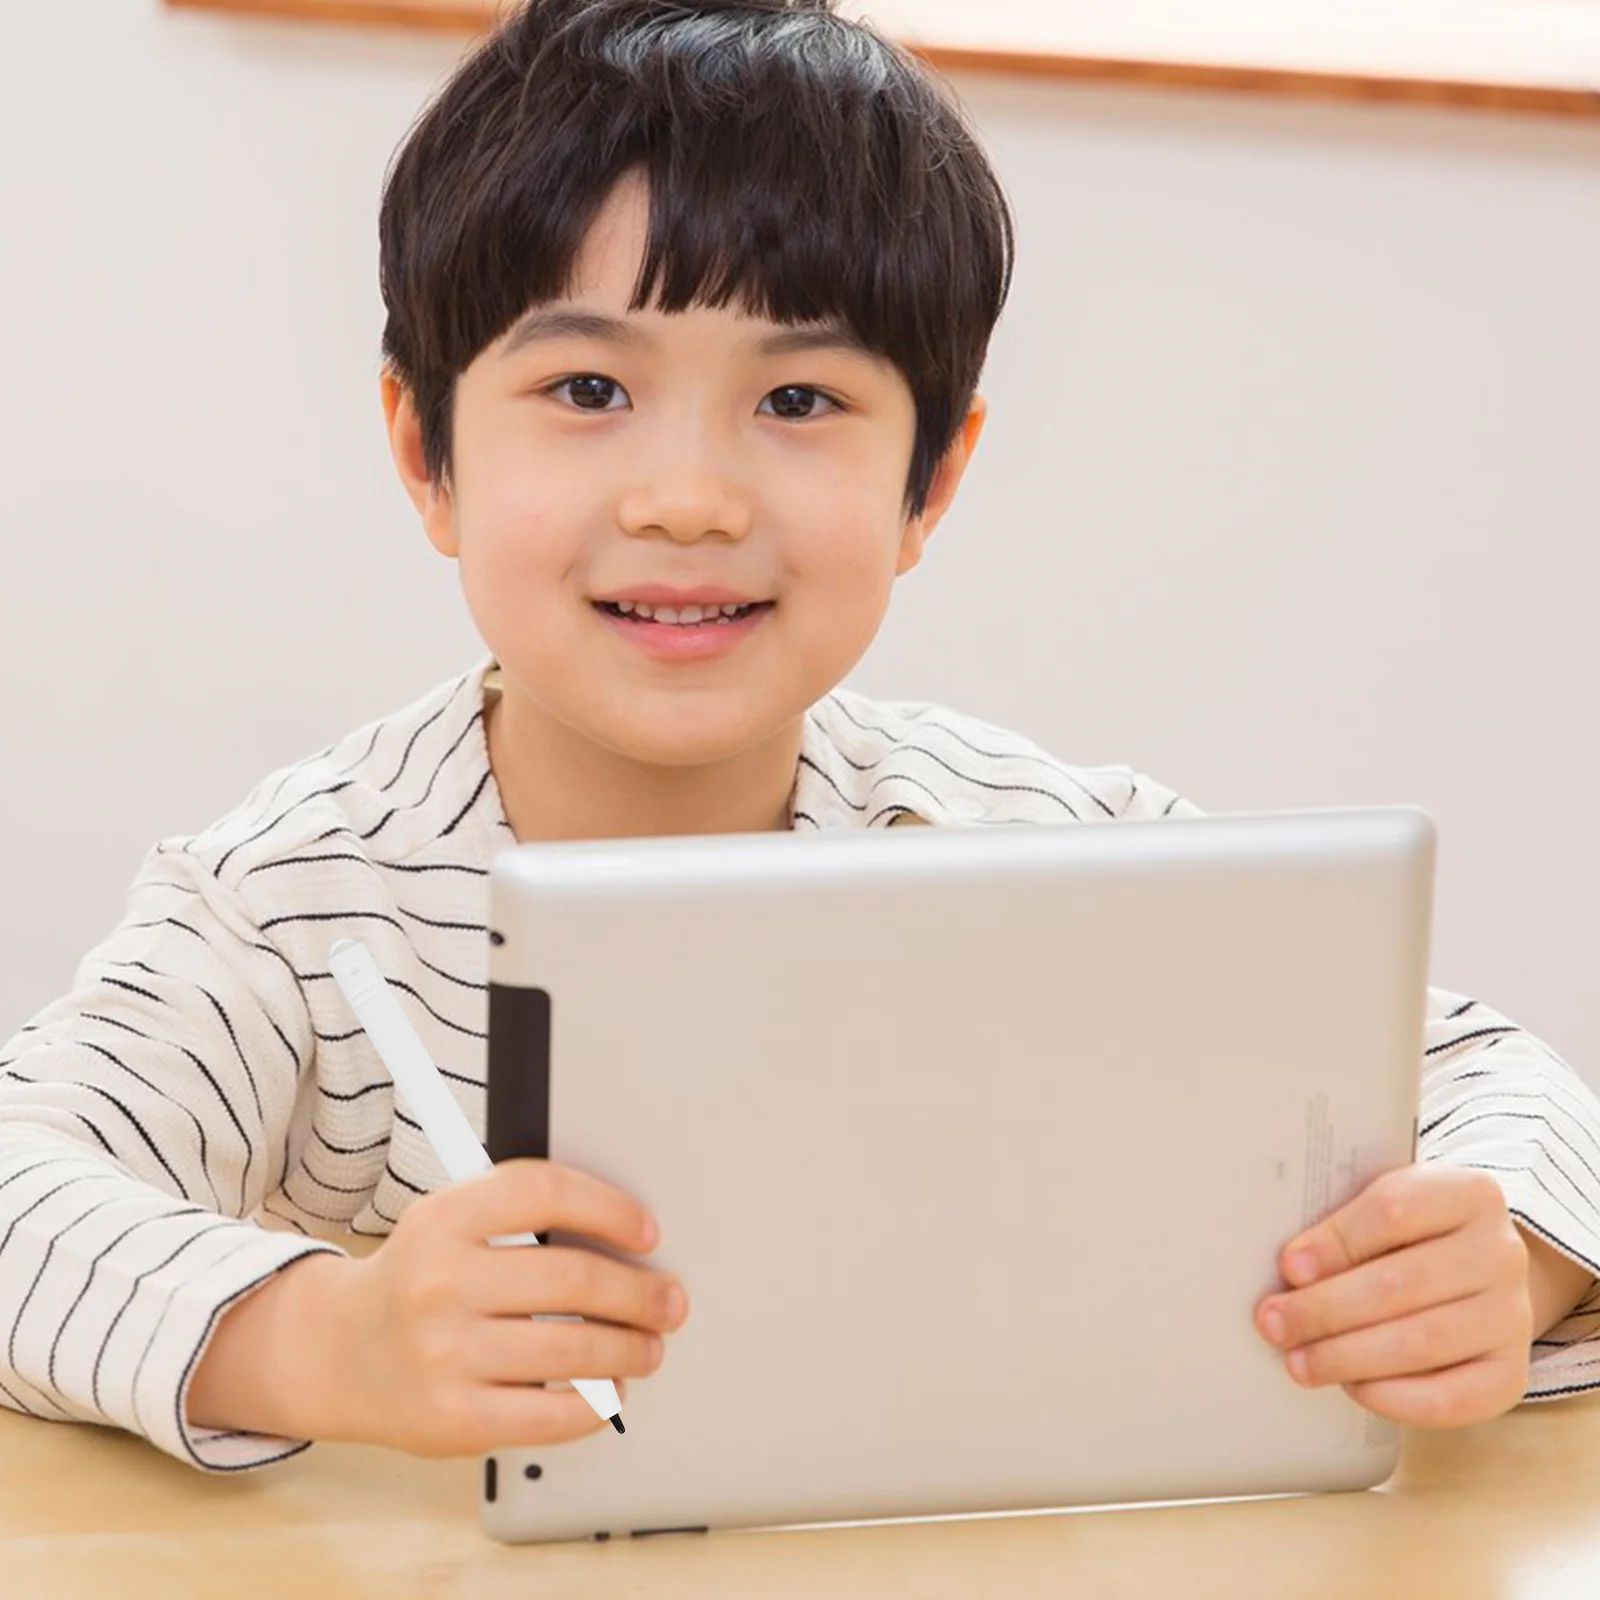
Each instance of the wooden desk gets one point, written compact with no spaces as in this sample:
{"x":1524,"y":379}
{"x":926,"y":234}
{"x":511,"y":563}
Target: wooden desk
{"x":1506,"y":1511}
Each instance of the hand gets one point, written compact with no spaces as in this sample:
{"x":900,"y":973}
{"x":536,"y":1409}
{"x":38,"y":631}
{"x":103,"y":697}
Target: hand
{"x":435,"y":1350}
{"x":1414,"y":1298}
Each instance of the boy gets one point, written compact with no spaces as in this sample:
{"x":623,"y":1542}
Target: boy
{"x":688,"y":301}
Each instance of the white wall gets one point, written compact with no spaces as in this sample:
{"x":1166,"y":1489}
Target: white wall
{"x":1290,"y":495}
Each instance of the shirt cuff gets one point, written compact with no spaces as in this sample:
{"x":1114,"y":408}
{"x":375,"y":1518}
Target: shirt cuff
{"x":245,"y":1260}
{"x":1566,"y":1359}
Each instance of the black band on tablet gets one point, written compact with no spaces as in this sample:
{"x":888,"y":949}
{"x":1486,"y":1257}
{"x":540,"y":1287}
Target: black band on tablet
{"x":518,"y":1118}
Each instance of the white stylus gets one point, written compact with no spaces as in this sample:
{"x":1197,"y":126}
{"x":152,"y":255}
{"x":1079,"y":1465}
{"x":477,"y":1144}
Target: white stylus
{"x":446,"y":1126}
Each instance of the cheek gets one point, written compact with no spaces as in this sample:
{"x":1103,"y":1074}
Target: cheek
{"x":844,"y":581}
{"x":514,"y":579}
{"x":851,"y":546}
{"x":518,"y":543}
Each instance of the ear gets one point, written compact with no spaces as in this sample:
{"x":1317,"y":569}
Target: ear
{"x":434,"y":502}
{"x":947,"y":478}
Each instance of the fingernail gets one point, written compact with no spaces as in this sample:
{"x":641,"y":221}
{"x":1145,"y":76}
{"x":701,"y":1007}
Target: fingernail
{"x":1298,"y":1366}
{"x":1273,"y":1326}
{"x":1302,"y":1267}
{"x":677,"y":1305}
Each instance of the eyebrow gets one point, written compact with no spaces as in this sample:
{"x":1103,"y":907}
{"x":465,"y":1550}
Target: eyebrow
{"x":550,"y":322}
{"x":545,"y":323}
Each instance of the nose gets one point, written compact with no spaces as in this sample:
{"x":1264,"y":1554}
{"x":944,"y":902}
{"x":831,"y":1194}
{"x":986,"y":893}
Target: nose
{"x":687,"y":499}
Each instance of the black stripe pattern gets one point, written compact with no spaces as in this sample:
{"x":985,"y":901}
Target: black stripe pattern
{"x":200,"y":1109}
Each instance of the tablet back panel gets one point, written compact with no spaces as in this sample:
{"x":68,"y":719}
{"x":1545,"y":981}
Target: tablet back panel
{"x":974,"y":1149}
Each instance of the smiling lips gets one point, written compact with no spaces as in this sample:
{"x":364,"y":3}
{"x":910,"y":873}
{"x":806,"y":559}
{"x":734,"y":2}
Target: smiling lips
{"x":683,"y":624}
{"x":677,"y":616}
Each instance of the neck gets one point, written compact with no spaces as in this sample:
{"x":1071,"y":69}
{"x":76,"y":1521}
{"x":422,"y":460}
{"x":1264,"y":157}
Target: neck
{"x":555,"y":784}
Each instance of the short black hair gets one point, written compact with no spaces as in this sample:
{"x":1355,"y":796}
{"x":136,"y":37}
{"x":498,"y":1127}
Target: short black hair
{"x":796,"y":161}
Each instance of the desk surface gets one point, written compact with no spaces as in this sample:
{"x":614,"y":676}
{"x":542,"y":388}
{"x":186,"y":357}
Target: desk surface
{"x":1509,"y":1510}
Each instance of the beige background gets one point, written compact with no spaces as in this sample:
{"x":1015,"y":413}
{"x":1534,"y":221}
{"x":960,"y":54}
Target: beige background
{"x":1290,"y":495}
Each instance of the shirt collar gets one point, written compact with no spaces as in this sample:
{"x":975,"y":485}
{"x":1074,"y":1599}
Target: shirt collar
{"x":843,"y":780}
{"x":849,"y":777}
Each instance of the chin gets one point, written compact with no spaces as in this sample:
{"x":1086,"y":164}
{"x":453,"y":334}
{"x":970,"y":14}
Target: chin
{"x":701,"y":751}
{"x":698,"y":742}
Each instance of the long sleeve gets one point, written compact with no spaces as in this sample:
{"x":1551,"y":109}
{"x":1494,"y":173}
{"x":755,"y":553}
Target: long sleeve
{"x":144,"y":1117}
{"x":1496,"y":1098}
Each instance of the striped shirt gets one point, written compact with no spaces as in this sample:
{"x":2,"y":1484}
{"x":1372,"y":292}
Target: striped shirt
{"x":201,"y":1108}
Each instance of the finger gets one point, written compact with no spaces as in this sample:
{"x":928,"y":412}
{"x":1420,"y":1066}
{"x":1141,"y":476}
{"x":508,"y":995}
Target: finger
{"x":508,"y":1416}
{"x":1470,"y":1392}
{"x":1427,"y":1341}
{"x":1400,"y":1208}
{"x":556,"y":1278}
{"x":1435,"y":1272}
{"x":528,"y":1196}
{"x":523,"y":1350}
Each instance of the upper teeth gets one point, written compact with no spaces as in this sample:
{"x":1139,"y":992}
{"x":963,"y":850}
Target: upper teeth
{"x":689,"y":614}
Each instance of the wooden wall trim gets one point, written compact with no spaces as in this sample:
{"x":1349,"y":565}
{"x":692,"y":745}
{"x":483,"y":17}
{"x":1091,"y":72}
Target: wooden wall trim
{"x":1558,"y":80}
{"x":437,"y":16}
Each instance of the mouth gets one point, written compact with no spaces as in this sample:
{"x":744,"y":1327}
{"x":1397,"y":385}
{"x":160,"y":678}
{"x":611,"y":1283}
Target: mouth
{"x":691,"y":616}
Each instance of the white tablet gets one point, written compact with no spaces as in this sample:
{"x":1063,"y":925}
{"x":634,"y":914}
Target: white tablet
{"x":974,"y":1148}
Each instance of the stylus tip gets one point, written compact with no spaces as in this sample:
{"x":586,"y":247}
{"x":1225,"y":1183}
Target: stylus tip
{"x":616,"y":1422}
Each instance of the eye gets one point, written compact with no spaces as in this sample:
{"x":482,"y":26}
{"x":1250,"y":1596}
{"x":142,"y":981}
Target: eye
{"x":795,"y":402}
{"x":591,"y":392}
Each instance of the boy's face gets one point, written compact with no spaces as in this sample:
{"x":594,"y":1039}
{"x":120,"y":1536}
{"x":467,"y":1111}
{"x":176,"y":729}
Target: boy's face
{"x":605,"y":458}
